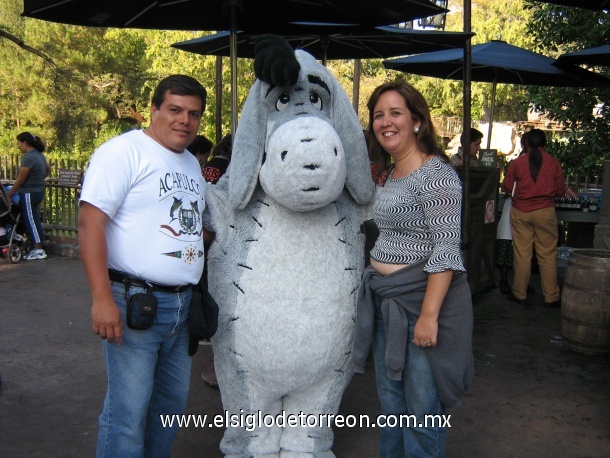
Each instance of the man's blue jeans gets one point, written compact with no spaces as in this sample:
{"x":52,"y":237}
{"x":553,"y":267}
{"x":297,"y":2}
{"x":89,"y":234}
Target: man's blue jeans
{"x":415,"y":394}
{"x":148,"y":376}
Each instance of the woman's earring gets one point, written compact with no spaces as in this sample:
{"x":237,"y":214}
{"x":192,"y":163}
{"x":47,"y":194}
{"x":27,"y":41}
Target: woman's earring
{"x":416,"y":129}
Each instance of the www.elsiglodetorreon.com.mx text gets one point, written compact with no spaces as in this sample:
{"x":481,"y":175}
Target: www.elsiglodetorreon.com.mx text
{"x":252,"y":421}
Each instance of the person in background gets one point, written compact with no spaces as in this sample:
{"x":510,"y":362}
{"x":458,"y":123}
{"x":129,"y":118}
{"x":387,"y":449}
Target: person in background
{"x":213,"y":170}
{"x":534,"y":180}
{"x":414,"y":304}
{"x":504,"y":236}
{"x":457,"y":160}
{"x":219,"y":160}
{"x":201,"y":148}
{"x":141,"y":244}
{"x":30,"y":185}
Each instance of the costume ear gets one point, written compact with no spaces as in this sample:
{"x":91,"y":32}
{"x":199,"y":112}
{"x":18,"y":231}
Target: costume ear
{"x":275,"y":62}
{"x":276,"y":65}
{"x":359,"y":181}
{"x":248,"y":148}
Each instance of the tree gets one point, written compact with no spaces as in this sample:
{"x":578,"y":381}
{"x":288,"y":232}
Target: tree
{"x":585,"y":112}
{"x":491,"y":20}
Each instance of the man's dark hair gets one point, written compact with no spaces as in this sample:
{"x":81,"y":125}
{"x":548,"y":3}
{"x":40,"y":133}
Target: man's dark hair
{"x":474,"y":135}
{"x":201,"y":145}
{"x":179,"y":85}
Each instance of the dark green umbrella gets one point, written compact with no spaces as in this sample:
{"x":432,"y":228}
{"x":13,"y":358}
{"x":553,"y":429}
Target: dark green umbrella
{"x":594,"y":5}
{"x":254,"y":16}
{"x":370,"y":43}
{"x":599,"y":56}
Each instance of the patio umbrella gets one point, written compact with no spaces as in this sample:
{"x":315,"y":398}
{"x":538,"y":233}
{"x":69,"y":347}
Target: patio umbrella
{"x":262,"y":16}
{"x":252,"y":15}
{"x":498,"y":62}
{"x":351,"y":43}
{"x":370,"y":43}
{"x":590,"y":56}
{"x":594,"y":5}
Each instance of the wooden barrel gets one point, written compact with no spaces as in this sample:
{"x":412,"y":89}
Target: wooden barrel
{"x":585,"y":302}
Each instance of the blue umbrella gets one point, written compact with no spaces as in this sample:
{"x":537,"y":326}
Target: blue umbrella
{"x":590,"y":56}
{"x":498,"y":62}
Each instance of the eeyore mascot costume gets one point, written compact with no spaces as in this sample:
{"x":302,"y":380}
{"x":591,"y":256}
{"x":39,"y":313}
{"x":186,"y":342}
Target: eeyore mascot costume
{"x":286,"y":263}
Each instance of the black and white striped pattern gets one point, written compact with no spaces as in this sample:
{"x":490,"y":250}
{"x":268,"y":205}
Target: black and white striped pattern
{"x":419,"y":216}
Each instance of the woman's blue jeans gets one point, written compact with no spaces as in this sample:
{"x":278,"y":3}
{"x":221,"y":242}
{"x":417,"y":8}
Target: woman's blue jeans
{"x":415,"y":394}
{"x":148,"y":376}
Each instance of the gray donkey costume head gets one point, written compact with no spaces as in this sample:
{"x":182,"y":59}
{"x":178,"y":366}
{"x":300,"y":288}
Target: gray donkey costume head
{"x":302,"y":134}
{"x":286,"y":264}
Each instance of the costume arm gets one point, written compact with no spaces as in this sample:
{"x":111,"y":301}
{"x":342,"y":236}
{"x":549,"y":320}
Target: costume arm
{"x":105,"y":315}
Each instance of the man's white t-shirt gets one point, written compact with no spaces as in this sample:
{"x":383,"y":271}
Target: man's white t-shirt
{"x":154,"y":199}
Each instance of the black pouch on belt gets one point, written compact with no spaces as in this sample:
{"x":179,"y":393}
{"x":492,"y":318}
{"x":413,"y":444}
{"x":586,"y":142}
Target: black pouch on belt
{"x":141,"y":311}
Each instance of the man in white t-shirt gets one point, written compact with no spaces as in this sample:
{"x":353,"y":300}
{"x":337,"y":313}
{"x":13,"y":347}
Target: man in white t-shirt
{"x":141,"y":244}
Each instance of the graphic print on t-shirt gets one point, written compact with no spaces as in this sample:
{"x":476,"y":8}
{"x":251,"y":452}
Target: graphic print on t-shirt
{"x":183,"y":221}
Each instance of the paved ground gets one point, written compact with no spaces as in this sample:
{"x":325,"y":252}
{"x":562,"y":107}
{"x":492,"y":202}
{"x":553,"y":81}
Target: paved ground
{"x":530,"y":398}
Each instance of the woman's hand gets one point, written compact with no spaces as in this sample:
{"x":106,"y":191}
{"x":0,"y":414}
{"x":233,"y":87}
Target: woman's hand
{"x":425,"y":333}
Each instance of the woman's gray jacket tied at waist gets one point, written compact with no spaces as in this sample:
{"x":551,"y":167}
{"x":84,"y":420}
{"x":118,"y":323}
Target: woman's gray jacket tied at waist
{"x":403,"y":291}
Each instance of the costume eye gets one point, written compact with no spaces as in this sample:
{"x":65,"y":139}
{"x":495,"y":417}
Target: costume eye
{"x":315,"y":100}
{"x":282,"y":102}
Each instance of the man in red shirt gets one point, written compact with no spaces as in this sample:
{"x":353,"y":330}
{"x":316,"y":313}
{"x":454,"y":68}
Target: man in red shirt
{"x":535,"y":180}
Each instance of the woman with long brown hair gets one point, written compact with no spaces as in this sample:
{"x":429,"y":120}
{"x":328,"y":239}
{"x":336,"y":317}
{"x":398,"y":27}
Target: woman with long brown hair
{"x":414,"y":304}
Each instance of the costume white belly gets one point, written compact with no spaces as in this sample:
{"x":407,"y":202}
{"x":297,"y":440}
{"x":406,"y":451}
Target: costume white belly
{"x":287,"y":312}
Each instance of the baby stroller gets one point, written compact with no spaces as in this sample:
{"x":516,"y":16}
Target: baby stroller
{"x":13,"y":239}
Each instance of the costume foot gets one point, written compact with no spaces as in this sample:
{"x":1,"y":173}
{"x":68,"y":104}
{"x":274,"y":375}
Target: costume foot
{"x":553,"y":305}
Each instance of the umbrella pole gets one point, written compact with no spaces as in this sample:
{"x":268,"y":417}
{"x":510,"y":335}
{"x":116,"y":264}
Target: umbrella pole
{"x":233,"y":51}
{"x":466,"y":132}
{"x":491,"y":112}
{"x":356,"y":93}
{"x":218,"y":98}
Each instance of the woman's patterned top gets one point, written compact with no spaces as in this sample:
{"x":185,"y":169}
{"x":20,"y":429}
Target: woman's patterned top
{"x":419,"y":216}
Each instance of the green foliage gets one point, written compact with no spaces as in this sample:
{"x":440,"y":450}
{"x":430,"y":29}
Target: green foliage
{"x":102,"y":79}
{"x":585,"y":145}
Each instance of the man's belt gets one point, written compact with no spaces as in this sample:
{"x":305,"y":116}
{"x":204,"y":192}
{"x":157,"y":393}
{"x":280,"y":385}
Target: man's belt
{"x":120,"y":277}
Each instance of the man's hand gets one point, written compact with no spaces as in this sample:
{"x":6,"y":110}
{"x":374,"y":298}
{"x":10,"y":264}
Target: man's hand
{"x":106,"y":321}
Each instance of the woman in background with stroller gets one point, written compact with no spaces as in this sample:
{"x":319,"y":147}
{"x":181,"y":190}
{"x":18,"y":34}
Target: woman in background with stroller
{"x":30,"y":185}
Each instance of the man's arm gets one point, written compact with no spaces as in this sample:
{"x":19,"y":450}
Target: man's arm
{"x":105,"y":315}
